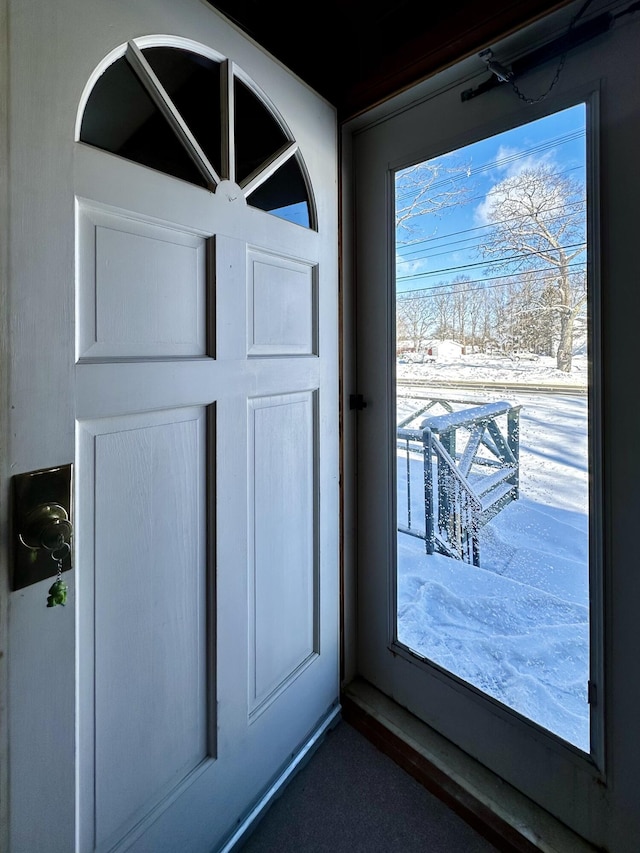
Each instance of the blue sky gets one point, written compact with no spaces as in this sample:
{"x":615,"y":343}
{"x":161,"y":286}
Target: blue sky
{"x":439,"y":246}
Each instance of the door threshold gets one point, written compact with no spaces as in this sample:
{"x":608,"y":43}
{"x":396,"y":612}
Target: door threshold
{"x":504,"y":816}
{"x":297,"y":762}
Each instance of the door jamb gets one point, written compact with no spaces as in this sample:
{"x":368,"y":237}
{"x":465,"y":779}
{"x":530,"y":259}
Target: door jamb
{"x":4,"y":393}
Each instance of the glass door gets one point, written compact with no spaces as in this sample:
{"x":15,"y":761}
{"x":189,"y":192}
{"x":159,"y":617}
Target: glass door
{"x":493,"y":316}
{"x":482,"y":580}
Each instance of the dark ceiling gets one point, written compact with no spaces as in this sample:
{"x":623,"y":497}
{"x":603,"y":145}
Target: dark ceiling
{"x":356,"y":53}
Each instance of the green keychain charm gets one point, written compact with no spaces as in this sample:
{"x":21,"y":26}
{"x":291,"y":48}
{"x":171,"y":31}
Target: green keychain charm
{"x":57,"y":594}
{"x":58,"y":590}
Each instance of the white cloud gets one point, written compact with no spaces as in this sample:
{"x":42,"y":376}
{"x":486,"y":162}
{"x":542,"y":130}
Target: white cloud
{"x":509,"y":163}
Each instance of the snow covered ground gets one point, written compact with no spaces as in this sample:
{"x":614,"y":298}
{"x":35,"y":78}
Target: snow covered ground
{"x":518,"y":626}
{"x":492,"y":369}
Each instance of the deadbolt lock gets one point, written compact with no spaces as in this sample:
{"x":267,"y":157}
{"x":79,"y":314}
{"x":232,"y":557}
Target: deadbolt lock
{"x":42,"y":524}
{"x":47,"y":526}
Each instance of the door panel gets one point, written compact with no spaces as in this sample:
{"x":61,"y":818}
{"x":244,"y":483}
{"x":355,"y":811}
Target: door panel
{"x":282,"y":551}
{"x":145,"y":644}
{"x":157,"y":317}
{"x":194,"y":367}
{"x":282,"y":306}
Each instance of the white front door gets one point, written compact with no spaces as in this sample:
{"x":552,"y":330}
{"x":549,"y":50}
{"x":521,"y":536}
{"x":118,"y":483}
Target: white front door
{"x":174,"y":334}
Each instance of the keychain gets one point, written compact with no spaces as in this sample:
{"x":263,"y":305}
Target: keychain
{"x":58,"y":590}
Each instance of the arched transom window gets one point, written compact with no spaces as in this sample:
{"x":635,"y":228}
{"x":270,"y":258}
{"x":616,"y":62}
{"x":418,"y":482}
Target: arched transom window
{"x":198,"y":119}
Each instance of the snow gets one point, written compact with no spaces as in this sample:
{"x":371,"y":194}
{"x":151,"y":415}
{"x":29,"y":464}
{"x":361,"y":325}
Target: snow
{"x":517,"y":627}
{"x":493,"y":369}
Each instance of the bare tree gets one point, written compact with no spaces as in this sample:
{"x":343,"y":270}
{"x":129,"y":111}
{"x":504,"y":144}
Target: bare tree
{"x":461,"y":302}
{"x":538,"y":223}
{"x":444,"y":311}
{"x":414,"y":318}
{"x":427,"y":188}
{"x":475,"y":308}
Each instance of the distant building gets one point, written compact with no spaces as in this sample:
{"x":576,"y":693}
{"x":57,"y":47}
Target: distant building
{"x":444,"y":349}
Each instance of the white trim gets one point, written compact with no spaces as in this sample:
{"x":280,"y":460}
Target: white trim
{"x":95,"y":75}
{"x":140,"y":43}
{"x":166,"y":40}
{"x":228,"y":118}
{"x":251,"y":820}
{"x":593,"y":762}
{"x":598,"y":577}
{"x":5,"y":568}
{"x":166,"y":106}
{"x":264,"y":172}
{"x":132,"y":50}
{"x":587,"y":774}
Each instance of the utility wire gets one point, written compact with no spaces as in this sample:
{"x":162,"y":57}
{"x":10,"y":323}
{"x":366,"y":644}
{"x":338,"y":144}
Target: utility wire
{"x":494,"y":191}
{"x":421,"y":255}
{"x":493,"y":164}
{"x":488,"y":262}
{"x":429,"y":290}
{"x":401,"y":246}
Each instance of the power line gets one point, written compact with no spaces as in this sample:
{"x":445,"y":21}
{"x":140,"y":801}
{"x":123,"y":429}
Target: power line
{"x":488,"y":262}
{"x":403,"y":245}
{"x":496,"y":164}
{"x":400,"y":299}
{"x":428,"y":291}
{"x":426,"y":256}
{"x":485,"y":195}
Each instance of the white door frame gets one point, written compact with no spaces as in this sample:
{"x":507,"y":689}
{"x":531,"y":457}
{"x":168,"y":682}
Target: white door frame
{"x":601,"y":813}
{"x":4,"y":396}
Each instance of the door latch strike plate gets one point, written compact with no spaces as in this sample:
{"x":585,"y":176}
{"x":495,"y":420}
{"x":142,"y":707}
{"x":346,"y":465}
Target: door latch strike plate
{"x":357,"y":402}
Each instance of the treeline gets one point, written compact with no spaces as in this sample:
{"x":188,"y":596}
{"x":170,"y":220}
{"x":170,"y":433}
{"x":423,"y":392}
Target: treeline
{"x":518,"y":313}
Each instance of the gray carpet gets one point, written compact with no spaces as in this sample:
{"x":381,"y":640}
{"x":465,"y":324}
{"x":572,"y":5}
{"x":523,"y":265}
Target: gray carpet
{"x":351,"y":797}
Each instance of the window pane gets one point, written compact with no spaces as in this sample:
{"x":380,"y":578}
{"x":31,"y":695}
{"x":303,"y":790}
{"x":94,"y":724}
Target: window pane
{"x":193,"y":83}
{"x":120,"y":117}
{"x":284,"y":194}
{"x":493,"y":342}
{"x":258,"y":136}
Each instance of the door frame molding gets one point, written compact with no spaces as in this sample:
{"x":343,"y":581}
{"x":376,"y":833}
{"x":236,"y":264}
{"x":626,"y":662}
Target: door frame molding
{"x":603,"y":527}
{"x":4,"y":421}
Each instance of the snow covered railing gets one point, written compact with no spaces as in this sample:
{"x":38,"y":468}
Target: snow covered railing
{"x":431,"y":403}
{"x":475,"y":479}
